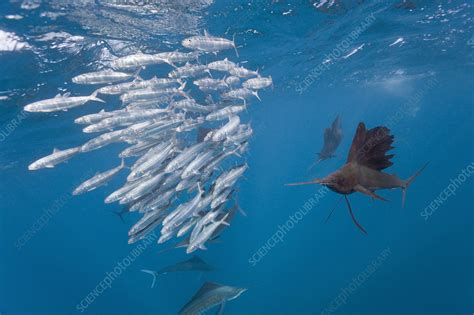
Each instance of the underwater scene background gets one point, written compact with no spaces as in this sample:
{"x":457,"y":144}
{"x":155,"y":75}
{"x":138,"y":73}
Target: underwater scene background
{"x":407,"y":65}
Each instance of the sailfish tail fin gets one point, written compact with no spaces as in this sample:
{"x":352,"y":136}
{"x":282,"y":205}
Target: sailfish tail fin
{"x":409,"y":181}
{"x":153,"y":273}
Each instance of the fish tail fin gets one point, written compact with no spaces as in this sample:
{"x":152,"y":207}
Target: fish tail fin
{"x":256,"y":95}
{"x":170,"y":63}
{"x":153,"y":273}
{"x":222,"y":221}
{"x":181,"y":90}
{"x":235,"y":47}
{"x":242,"y":212}
{"x":182,"y":86}
{"x":137,"y":76}
{"x":237,"y":204}
{"x":236,"y":152}
{"x":409,"y":181}
{"x":94,"y":97}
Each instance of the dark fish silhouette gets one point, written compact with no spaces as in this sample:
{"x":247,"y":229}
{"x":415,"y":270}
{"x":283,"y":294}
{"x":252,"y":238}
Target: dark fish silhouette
{"x":193,"y":264}
{"x":210,"y":295}
{"x":363,"y":169}
{"x":332,"y":139}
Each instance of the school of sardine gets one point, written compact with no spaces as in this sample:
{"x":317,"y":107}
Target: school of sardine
{"x":175,"y":182}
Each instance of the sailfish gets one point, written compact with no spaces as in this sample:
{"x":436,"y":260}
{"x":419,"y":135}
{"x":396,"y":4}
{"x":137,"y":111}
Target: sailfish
{"x":332,"y":139}
{"x":362,"y":172}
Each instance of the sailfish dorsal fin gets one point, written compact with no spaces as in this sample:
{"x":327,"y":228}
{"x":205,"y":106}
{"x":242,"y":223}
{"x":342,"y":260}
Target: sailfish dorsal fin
{"x":369,"y":147}
{"x":206,"y":287}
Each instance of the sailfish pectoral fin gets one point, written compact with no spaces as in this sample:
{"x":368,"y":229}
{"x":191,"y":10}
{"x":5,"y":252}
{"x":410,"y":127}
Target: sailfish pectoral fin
{"x":220,"y":310}
{"x":368,"y":192}
{"x":353,"y":217}
{"x":330,"y":213}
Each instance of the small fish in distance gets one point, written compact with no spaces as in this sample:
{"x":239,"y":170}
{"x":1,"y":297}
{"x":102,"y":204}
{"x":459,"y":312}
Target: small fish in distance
{"x":332,"y":139}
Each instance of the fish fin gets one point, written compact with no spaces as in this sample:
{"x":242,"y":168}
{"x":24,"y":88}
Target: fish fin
{"x":55,"y":150}
{"x":220,"y":310}
{"x":314,"y":181}
{"x":202,"y":133}
{"x":170,"y":63}
{"x":181,"y":90}
{"x":327,"y":135}
{"x":137,"y":76}
{"x":67,"y":94}
{"x":336,"y":123}
{"x":120,"y":215}
{"x":368,"y":192}
{"x":206,"y":287}
{"x":94,"y":97}
{"x":122,"y":163}
{"x":201,"y":191}
{"x":203,"y":247}
{"x":206,"y":33}
{"x":57,"y":95}
{"x":235,"y":47}
{"x":223,"y":223}
{"x":153,"y":273}
{"x":409,"y":181}
{"x":330,"y":213}
{"x":360,"y":227}
{"x":255,"y":93}
{"x":242,"y":212}
{"x":215,"y":240}
{"x":369,"y":147}
{"x":223,"y":220}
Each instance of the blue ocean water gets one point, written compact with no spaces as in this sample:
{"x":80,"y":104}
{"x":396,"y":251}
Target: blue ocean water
{"x":409,"y":66}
